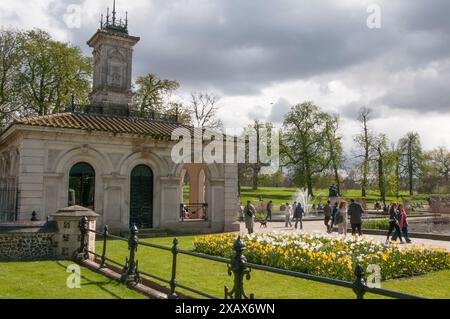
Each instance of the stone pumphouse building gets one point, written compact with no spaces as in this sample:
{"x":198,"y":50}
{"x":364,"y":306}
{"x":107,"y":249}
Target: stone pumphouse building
{"x":112,"y":159}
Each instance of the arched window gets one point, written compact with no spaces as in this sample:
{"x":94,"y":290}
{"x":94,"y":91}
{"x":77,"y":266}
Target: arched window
{"x":82,"y":185}
{"x":141,"y":197}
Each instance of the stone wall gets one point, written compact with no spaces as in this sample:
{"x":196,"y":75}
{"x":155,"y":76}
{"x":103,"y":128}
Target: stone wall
{"x":17,"y":246}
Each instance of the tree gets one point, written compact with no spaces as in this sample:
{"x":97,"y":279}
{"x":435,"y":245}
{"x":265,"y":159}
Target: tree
{"x":153,"y":93}
{"x":255,"y":168}
{"x":335,"y":150}
{"x":440,"y":159}
{"x":10,"y":64}
{"x":411,"y":158}
{"x":393,"y":177}
{"x":303,"y":144}
{"x":364,"y":140}
{"x":379,"y":147}
{"x":204,"y":108}
{"x":52,"y":72}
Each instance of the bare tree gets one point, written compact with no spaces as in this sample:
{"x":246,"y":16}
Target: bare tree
{"x":204,"y":107}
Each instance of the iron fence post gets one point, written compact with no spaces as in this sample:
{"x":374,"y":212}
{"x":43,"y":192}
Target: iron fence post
{"x":130,"y":273}
{"x":83,"y":226}
{"x":173,"y":280}
{"x":359,"y":285}
{"x":239,"y":270}
{"x":105,"y":234}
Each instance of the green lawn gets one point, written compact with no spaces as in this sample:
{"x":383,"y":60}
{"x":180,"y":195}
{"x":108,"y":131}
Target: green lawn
{"x":281,"y":195}
{"x":211,"y":277}
{"x":47,"y":280}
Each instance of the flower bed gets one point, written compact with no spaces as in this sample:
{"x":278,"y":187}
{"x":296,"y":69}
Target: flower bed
{"x":328,"y":256}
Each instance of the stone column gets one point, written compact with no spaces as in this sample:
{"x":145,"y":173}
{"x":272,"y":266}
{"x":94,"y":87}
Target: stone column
{"x":231,"y":198}
{"x":68,"y":237}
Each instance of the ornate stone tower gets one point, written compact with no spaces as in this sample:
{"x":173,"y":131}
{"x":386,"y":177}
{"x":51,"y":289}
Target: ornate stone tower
{"x":113,"y":57}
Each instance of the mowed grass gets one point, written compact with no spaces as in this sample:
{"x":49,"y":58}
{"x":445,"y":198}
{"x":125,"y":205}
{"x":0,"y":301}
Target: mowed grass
{"x":282,"y":195}
{"x":211,"y":277}
{"x":47,"y":280}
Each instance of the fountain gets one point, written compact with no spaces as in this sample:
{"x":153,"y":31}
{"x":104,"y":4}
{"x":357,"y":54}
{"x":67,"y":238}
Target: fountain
{"x":303,"y":198}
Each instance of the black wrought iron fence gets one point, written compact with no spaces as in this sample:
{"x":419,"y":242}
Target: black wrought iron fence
{"x":9,"y":204}
{"x":238,"y":268}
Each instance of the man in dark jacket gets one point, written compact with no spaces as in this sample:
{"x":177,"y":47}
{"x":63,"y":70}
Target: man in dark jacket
{"x":298,"y":215}
{"x":327,"y":213}
{"x":355,"y":212}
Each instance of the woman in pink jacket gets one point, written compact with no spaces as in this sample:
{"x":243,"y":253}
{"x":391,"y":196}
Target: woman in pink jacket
{"x":403,"y":222}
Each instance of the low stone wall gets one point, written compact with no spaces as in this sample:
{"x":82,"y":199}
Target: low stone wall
{"x":19,"y":246}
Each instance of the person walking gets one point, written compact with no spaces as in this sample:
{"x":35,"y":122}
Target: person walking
{"x":394,"y":223}
{"x":403,"y":222}
{"x":355,"y":211}
{"x":334,"y":213}
{"x":249,"y":214}
{"x":327,"y":213}
{"x":241,"y":212}
{"x":298,"y":215}
{"x":287,"y":216}
{"x":342,"y":218}
{"x":269,"y":210}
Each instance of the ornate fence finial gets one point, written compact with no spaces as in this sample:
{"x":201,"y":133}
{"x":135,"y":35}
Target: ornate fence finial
{"x":130,"y":272}
{"x":239,"y":270}
{"x":359,"y":285}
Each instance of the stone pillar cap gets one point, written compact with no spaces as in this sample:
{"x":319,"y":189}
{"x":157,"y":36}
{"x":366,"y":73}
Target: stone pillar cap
{"x":75,"y":211}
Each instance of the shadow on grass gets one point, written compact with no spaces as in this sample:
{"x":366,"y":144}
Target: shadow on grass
{"x":100,"y":284}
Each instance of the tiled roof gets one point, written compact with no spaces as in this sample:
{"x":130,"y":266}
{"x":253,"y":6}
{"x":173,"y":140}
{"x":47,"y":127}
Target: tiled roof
{"x":104,"y":123}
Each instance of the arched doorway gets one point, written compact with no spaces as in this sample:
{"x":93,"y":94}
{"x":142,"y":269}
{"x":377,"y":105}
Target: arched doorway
{"x":141,"y":197}
{"x":82,"y":185}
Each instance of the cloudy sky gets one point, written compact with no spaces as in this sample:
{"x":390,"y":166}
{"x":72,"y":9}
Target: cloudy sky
{"x":262,"y":56}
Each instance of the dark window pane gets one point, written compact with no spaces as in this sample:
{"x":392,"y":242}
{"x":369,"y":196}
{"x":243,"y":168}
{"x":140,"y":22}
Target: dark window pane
{"x":82,"y":182}
{"x":141,"y":197}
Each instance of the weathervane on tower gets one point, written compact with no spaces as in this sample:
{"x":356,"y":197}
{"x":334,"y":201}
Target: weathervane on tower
{"x":113,"y":24}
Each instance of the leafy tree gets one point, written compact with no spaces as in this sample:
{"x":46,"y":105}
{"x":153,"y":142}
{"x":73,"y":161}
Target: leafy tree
{"x":303,"y":144}
{"x":440,"y":160}
{"x":335,"y":150}
{"x":411,"y":159}
{"x":51,"y":73}
{"x":255,"y":168}
{"x":393,"y":177}
{"x":153,"y":93}
{"x":379,"y":148}
{"x":364,"y":140}
{"x":10,"y":64}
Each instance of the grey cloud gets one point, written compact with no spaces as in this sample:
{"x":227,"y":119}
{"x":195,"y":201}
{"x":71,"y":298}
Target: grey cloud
{"x":240,"y":47}
{"x":279,"y":110}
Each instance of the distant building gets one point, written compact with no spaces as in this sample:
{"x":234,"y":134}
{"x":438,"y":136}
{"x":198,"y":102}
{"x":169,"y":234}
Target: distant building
{"x":111,"y":159}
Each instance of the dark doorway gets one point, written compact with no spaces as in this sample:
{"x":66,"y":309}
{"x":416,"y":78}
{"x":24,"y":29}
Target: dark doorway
{"x":82,"y":185}
{"x":141,"y":197}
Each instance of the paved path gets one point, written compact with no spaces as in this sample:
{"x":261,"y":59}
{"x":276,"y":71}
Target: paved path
{"x":319,"y":227}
